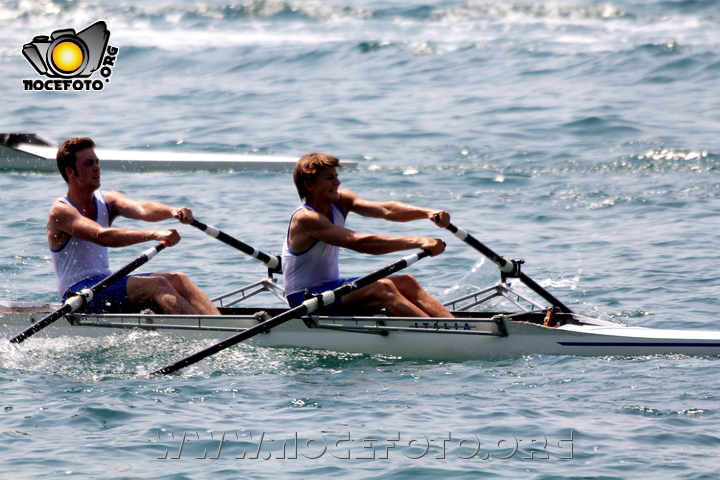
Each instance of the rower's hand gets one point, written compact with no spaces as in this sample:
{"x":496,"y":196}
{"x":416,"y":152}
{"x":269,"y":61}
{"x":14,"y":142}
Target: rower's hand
{"x":433,"y":245}
{"x":183,"y":214}
{"x":169,"y":237}
{"x":441,"y":218}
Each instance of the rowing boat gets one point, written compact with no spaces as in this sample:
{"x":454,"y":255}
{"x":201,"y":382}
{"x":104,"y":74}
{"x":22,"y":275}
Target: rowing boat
{"x":474,"y":333}
{"x":495,"y":322}
{"x":36,"y":153}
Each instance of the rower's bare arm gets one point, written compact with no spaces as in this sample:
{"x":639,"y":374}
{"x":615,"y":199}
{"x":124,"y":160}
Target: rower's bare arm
{"x":148,"y":211}
{"x":313,"y":226}
{"x":393,"y":211}
{"x":64,"y":221}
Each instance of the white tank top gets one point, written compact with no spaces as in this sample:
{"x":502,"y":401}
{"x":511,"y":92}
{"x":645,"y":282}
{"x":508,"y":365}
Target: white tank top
{"x":316,"y":265}
{"x":80,"y":259}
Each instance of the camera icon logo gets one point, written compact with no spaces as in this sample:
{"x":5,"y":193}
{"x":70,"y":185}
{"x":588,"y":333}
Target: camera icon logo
{"x":66,"y":54}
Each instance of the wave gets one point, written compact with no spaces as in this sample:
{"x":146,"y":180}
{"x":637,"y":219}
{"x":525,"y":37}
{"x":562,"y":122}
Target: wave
{"x":534,"y":11}
{"x":602,"y":26}
{"x":593,"y":126}
{"x":165,"y":14}
{"x":174,"y":13}
{"x":318,"y":10}
{"x":660,"y":160}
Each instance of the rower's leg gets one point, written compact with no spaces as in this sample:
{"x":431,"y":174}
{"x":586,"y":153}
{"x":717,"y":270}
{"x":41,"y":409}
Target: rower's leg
{"x":190,"y":292}
{"x":383,"y":293}
{"x":172,"y":293}
{"x":409,"y":288}
{"x":401,"y":296}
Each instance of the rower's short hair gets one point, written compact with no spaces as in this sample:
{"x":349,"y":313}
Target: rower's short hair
{"x":66,"y":153}
{"x":308,"y":167}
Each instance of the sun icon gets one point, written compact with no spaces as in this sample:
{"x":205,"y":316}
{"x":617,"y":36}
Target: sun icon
{"x":67,"y":56}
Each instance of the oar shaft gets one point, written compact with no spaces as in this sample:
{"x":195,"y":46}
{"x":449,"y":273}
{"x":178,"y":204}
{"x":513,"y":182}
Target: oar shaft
{"x":66,"y":309}
{"x":271,"y":261}
{"x":142,"y":259}
{"x":77,"y":301}
{"x":508,"y":266}
{"x":308,"y":306}
{"x":547,"y":296}
{"x":330,"y":296}
{"x":504,"y":264}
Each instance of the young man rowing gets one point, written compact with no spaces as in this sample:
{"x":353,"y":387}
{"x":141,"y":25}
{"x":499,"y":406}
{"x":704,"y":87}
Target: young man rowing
{"x":316,"y":231}
{"x":79,"y":233}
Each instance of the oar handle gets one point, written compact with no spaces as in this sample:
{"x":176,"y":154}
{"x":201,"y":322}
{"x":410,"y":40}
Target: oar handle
{"x":271,"y":261}
{"x":308,"y":306}
{"x":81,"y":298}
{"x":510,"y":267}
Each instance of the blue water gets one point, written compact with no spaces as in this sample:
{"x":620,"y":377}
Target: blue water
{"x":580,"y":136}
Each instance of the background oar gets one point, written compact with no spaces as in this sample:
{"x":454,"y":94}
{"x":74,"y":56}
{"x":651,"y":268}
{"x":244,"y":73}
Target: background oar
{"x":82,"y":297}
{"x":510,"y":267}
{"x":308,"y":306}
{"x":271,"y":261}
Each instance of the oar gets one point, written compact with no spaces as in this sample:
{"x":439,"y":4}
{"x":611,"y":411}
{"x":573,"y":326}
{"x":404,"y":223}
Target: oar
{"x":82,"y":297}
{"x":271,"y":261}
{"x":509,"y":267}
{"x":308,"y":306}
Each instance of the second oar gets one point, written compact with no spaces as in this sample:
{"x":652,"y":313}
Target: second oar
{"x":308,"y":306}
{"x":271,"y":261}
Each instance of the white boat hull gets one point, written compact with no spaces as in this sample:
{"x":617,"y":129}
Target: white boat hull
{"x":469,"y":337}
{"x":41,"y":158}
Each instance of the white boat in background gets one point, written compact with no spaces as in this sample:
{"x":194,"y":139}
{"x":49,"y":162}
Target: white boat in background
{"x":29,"y":151}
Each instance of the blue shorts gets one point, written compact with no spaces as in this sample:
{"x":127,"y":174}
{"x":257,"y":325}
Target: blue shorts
{"x":113,"y":299}
{"x":296,"y":299}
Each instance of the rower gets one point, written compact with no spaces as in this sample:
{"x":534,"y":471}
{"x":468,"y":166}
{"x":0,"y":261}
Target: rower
{"x":79,"y":233}
{"x":317,"y":231}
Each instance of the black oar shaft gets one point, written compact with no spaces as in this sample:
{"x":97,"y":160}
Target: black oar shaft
{"x":547,"y":296}
{"x":271,"y":261}
{"x":77,"y":301}
{"x":504,"y":264}
{"x":308,"y":306}
{"x":507,"y":266}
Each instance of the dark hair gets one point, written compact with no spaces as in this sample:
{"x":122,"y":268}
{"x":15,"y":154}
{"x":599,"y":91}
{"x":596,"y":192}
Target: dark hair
{"x":307,"y":169}
{"x":66,"y":153}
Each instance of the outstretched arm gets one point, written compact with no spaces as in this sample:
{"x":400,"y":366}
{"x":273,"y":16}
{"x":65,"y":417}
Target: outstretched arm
{"x":308,"y":226}
{"x":392,"y":211}
{"x":148,"y":211}
{"x":65,"y":221}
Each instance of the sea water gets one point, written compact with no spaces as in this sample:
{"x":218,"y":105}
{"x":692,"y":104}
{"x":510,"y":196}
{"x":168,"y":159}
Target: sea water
{"x":581,"y":136}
